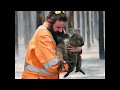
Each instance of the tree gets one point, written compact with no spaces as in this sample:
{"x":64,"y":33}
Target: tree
{"x":96,"y":25}
{"x":92,"y":27}
{"x":39,"y":18}
{"x":26,"y":28}
{"x":101,"y":36}
{"x":16,"y":34}
{"x":83,"y":25}
{"x":88,"y":30}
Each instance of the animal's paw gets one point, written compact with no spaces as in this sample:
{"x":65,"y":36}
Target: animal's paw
{"x":61,"y":64}
{"x":76,"y":71}
{"x":65,"y":75}
{"x":80,"y":70}
{"x":59,"y":68}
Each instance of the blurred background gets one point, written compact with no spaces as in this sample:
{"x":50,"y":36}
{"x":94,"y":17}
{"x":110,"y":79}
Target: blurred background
{"x":90,"y":23}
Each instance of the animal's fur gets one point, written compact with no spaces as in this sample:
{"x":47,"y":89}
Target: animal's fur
{"x":70,"y":57}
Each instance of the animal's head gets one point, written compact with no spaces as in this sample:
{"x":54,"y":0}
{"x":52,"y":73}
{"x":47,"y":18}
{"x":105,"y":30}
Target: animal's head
{"x":77,"y":31}
{"x":70,"y":31}
{"x":76,"y":40}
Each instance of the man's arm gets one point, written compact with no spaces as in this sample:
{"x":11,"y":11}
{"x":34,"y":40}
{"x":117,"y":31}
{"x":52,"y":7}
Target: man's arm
{"x":75,"y":49}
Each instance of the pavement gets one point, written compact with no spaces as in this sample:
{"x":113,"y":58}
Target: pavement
{"x":93,"y":67}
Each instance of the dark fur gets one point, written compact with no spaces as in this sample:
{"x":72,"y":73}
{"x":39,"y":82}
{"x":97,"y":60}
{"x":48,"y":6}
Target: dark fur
{"x":70,"y":57}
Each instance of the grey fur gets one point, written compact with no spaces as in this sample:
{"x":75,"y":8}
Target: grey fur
{"x":72,"y":58}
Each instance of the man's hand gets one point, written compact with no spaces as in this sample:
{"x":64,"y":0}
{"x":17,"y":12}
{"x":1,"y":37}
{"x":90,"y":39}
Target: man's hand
{"x":74,"y":49}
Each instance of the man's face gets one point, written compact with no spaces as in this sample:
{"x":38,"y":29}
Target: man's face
{"x":57,"y":30}
{"x":58,"y":26}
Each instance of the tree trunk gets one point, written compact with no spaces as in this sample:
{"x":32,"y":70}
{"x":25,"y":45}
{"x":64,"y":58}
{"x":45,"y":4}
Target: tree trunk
{"x":78,"y":19}
{"x":83,"y":24}
{"x":39,"y":19}
{"x":92,"y":27}
{"x":69,"y":15}
{"x":16,"y":34}
{"x":32,"y":22}
{"x":68,"y":22}
{"x":88,"y":30}
{"x":26,"y":33}
{"x":96,"y":25}
{"x":75,"y":19}
{"x":101,"y":36}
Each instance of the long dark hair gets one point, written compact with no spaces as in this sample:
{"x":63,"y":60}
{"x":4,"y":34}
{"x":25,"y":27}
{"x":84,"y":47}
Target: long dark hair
{"x":54,"y":17}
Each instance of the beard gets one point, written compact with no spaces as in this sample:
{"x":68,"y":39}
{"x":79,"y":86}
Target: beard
{"x":58,"y":36}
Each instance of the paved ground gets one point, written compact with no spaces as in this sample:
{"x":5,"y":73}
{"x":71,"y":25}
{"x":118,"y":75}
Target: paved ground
{"x":91,"y":64}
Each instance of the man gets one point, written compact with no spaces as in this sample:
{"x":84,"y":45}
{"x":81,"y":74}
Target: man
{"x":41,"y":61}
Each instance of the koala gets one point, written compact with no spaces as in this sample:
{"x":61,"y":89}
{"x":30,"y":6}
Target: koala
{"x":71,"y":58}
